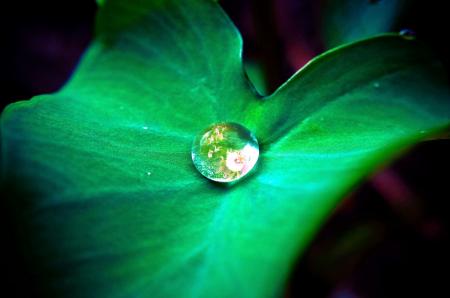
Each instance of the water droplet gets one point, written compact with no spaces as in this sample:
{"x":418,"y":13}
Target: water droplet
{"x":408,"y":34}
{"x":145,"y":127}
{"x":149,"y":173}
{"x":376,"y":85}
{"x":225,"y":152}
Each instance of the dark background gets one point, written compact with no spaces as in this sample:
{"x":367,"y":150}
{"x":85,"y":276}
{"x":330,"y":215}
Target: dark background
{"x":388,"y":239}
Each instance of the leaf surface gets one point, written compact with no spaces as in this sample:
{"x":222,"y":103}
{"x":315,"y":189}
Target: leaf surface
{"x":107,"y":200}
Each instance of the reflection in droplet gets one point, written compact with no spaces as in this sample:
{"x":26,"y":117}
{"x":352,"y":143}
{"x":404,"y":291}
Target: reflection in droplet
{"x":225,"y":152}
{"x":408,"y":34}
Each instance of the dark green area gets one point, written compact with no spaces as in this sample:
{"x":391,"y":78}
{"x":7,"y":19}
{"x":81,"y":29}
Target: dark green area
{"x":347,"y":21}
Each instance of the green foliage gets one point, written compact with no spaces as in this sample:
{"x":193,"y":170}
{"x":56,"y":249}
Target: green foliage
{"x":99,"y":174}
{"x":255,"y":74}
{"x":347,"y":21}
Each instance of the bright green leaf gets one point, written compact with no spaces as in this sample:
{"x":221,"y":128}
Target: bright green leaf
{"x":99,"y":175}
{"x":347,"y":21}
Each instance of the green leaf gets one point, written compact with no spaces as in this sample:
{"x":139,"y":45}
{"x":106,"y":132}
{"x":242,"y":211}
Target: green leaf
{"x":255,"y":73}
{"x":100,"y":178}
{"x":347,"y":21}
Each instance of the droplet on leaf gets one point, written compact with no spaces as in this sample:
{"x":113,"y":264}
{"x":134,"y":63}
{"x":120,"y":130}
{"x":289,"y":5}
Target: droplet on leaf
{"x":225,"y":152}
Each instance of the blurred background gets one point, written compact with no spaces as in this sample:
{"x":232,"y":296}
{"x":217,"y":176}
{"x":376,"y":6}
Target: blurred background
{"x":389,"y":238}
